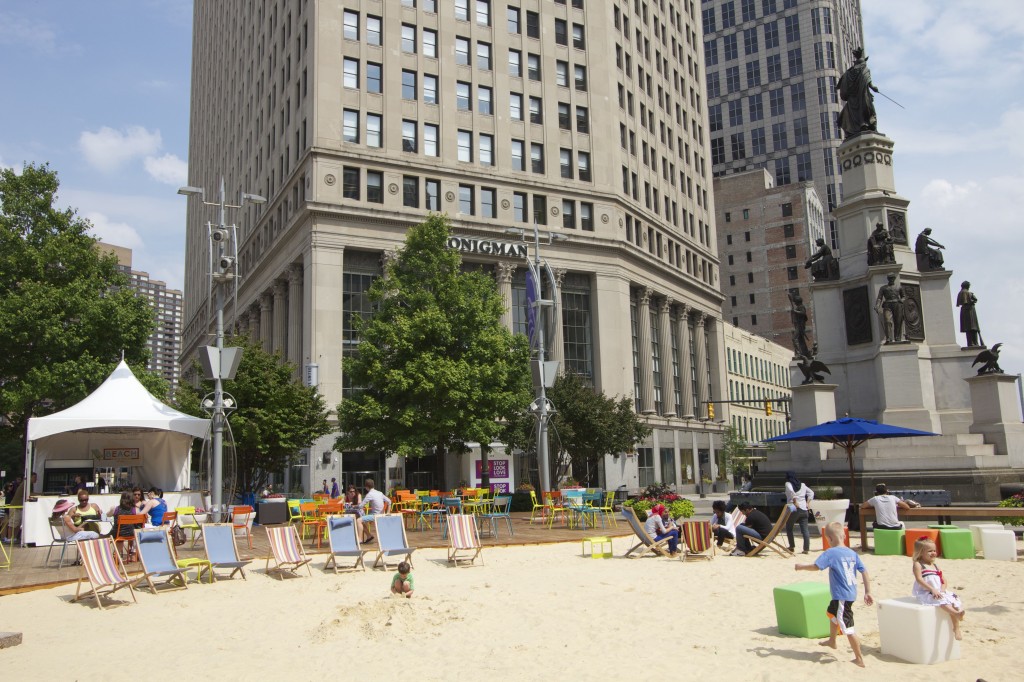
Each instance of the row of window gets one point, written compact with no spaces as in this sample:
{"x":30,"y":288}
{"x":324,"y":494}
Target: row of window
{"x":751,"y":366}
{"x":747,"y":9}
{"x":665,"y":247}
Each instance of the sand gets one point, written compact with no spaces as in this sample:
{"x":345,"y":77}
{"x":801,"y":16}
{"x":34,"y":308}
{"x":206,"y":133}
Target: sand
{"x":531,"y":613}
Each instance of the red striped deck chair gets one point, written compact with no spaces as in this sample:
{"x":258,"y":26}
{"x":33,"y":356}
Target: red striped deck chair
{"x":699,"y":539}
{"x":102,"y":567}
{"x":464,"y":537}
{"x":287,"y":551}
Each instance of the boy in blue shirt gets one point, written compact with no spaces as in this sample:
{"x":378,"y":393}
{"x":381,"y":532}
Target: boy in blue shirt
{"x":843,"y":564}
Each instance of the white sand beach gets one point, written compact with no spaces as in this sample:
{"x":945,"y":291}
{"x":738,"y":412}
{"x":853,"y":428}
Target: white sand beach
{"x":531,"y":613}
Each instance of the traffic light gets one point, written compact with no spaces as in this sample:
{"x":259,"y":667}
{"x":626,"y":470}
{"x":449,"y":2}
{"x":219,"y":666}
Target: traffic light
{"x":711,"y":411}
{"x":768,"y":408}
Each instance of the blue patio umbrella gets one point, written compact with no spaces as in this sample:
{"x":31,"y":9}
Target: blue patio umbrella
{"x":848,"y":433}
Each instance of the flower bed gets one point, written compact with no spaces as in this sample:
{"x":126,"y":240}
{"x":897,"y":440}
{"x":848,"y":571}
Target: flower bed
{"x":676,"y":505}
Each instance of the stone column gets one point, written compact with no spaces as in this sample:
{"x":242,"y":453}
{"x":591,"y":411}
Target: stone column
{"x":702,"y":363}
{"x":556,"y":346}
{"x":243,"y":323}
{"x":280,"y":318}
{"x":685,"y":408}
{"x":643,"y":340}
{"x":266,"y":321}
{"x":504,"y":276}
{"x":254,"y":322}
{"x":668,"y":385}
{"x":295,"y":298}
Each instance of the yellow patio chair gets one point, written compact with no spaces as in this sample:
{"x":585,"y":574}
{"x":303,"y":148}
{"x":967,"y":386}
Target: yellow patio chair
{"x":537,"y":505}
{"x":187,"y":521}
{"x":294,"y":513}
{"x":608,"y":508}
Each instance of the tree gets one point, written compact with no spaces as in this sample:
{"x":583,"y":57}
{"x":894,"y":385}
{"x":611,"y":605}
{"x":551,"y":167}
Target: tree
{"x":734,"y":446}
{"x":276,"y":417}
{"x":66,"y":313}
{"x":436,"y":366}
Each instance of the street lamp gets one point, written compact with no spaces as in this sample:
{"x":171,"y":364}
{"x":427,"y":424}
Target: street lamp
{"x":543,"y":372}
{"x":220,"y":363}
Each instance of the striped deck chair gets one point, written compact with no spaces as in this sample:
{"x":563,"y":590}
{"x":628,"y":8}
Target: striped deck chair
{"x":288,"y":554}
{"x":222,"y":549}
{"x":770,"y":542}
{"x":391,"y":540}
{"x":344,"y":542}
{"x":700,"y":541}
{"x":463,"y":536}
{"x":647,"y":543}
{"x":157,"y":557}
{"x":102,"y":567}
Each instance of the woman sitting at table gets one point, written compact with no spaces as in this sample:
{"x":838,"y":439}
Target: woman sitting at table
{"x":78,"y":515}
{"x":138,"y":499}
{"x":125,"y":506}
{"x":354,"y":505}
{"x":154,"y":506}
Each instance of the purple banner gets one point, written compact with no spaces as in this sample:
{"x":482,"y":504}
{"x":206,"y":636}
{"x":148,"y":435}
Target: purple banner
{"x":497,"y":468}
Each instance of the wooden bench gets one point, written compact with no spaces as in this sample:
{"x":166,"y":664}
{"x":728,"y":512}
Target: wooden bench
{"x":939,"y":513}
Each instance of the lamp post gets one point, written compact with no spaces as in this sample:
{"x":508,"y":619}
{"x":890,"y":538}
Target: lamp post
{"x":544,"y":371}
{"x":219,"y":365}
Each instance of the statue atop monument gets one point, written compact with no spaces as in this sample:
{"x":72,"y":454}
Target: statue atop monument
{"x":855,"y":86}
{"x":989,"y":359}
{"x":823,"y":265}
{"x":889,"y":306}
{"x":965,"y":300}
{"x":929,"y":255}
{"x":880,"y":246}
{"x":811,"y":368}
{"x":798,"y":314}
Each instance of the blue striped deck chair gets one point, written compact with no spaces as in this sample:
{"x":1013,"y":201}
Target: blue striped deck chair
{"x":222,"y":550}
{"x":286,"y":550}
{"x":157,"y":557}
{"x":464,"y":539}
{"x":391,"y":540}
{"x":102,"y":567}
{"x":341,"y":534}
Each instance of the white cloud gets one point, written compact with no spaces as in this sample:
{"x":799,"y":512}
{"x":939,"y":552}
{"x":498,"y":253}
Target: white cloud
{"x":22,"y":32}
{"x":168,"y":169}
{"x":108,"y":149}
{"x":111,"y":232}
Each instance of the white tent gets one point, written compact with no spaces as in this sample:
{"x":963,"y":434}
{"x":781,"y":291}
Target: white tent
{"x":119,"y":424}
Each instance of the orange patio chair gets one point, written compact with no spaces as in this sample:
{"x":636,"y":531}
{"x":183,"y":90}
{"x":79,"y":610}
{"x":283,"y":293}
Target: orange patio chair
{"x":240,"y":521}
{"x":124,"y":534}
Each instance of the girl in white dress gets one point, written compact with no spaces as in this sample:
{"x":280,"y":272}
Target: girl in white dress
{"x":930,"y":586}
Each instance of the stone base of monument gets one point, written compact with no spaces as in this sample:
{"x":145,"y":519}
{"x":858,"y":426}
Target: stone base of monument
{"x":9,"y":639}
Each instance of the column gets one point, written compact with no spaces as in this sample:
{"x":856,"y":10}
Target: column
{"x":504,"y":276}
{"x":266,"y":321}
{"x":322,"y":289}
{"x":556,"y":346}
{"x":702,"y":363}
{"x":280,"y":317}
{"x":243,"y":323}
{"x":685,"y":408}
{"x":668,"y":392}
{"x":295,"y":316}
{"x":254,"y":322}
{"x":643,"y":340}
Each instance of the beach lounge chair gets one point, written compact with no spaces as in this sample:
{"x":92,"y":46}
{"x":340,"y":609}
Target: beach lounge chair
{"x":391,"y":540}
{"x":157,"y":557}
{"x":770,"y":542}
{"x":344,"y":542}
{"x":647,"y":543}
{"x":700,"y":541}
{"x":222,"y":549}
{"x":287,"y":551}
{"x":103,"y":568}
{"x":464,"y":539}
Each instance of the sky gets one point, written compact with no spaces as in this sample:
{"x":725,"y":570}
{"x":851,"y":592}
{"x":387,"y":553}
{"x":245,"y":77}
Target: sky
{"x":100,"y":91}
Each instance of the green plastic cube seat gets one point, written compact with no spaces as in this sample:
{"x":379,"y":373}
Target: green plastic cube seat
{"x":941,"y":526}
{"x":801,"y":609}
{"x":889,"y":542}
{"x":957,"y":543}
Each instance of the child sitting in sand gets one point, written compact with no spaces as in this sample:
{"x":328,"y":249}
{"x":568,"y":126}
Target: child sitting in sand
{"x":402,"y":583}
{"x":930,"y":586}
{"x":842,"y":564}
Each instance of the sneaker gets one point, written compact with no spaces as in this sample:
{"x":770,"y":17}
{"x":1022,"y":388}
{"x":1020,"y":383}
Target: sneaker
{"x":738,"y":552}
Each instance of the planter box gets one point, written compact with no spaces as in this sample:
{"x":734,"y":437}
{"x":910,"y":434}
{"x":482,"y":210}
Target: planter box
{"x":829,"y":511}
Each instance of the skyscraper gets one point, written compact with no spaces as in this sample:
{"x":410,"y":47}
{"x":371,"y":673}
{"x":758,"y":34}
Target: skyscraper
{"x":772,"y":72}
{"x":357,"y":119}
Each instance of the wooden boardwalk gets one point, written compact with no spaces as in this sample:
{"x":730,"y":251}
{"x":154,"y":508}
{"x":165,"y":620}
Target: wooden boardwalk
{"x":30,"y":569}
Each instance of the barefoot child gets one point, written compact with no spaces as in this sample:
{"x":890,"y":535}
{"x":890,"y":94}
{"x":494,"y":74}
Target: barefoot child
{"x":842,"y":564}
{"x":930,"y":586}
{"x":402,"y":583}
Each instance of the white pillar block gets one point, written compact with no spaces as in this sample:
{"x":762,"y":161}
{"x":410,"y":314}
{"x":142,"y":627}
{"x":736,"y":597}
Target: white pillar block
{"x":976,"y":531}
{"x":916,"y":633}
{"x":1000,"y":545}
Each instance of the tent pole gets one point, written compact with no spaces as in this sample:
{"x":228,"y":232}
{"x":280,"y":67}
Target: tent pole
{"x":27,"y":485}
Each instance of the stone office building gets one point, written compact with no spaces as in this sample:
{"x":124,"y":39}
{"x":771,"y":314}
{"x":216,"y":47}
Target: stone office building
{"x":356,"y":119}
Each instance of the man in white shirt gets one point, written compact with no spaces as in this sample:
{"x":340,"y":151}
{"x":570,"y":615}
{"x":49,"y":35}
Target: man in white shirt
{"x":886,"y":506}
{"x":377,"y":502}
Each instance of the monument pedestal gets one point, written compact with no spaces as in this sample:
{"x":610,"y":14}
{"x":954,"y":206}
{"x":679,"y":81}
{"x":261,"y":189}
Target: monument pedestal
{"x":812,"y":404}
{"x":997,"y":416}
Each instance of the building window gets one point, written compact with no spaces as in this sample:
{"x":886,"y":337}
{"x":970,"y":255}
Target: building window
{"x":645,"y":458}
{"x":517,"y":155}
{"x":408,"y":84}
{"x":564,"y":118}
{"x":483,"y":12}
{"x":796,"y":62}
{"x":350,"y":70}
{"x":561,"y":32}
{"x":718,"y":150}
{"x":533,"y":66}
{"x":465,"y":141}
{"x":714,"y":118}
{"x":782,"y":176}
{"x":562,"y":73}
{"x":732,"y":79}
{"x":779,"y":138}
{"x":462,"y":96}
{"x":582,"y":120}
{"x":466,"y":199}
{"x":803,"y":167}
{"x":565,"y":162}
{"x":774,"y":66}
{"x":793,"y":28}
{"x":729,"y":45}
{"x":537,"y":157}
{"x":409,"y":143}
{"x":483,"y":56}
{"x":787,"y":230}
{"x":753,"y":74}
{"x":586,"y":216}
{"x":568,"y":214}
{"x":429,"y":88}
{"x":540,"y":209}
{"x":750,"y":41}
{"x":433,"y":195}
{"x":350,"y":126}
{"x":790,"y":251}
{"x":577,"y":325}
{"x":350,"y":184}
{"x":430,"y":139}
{"x":373,"y":78}
{"x":515,"y":106}
{"x":462,"y":51}
{"x":787,"y":210}
{"x":797,"y":97}
{"x":519,"y":207}
{"x":429,"y":43}
{"x":578,"y":38}
{"x":792,"y":273}
{"x":536,"y":110}
{"x":408,"y":39}
{"x":736,"y":112}
{"x":351,"y":25}
{"x":738,"y":148}
{"x":373,"y":33}
{"x":512,"y":16}
{"x":462,"y":10}
{"x":580,"y":77}
{"x":486,"y":143}
{"x":532,"y":24}
{"x":487,"y":195}
{"x":771,"y":34}
{"x":374,"y":136}
{"x":583,"y":165}
{"x":515,"y":63}
{"x":375,"y":187}
{"x":411,"y":191}
{"x":757,"y":142}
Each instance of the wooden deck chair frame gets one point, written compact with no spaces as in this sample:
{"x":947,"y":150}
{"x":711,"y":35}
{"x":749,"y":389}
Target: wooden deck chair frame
{"x":737,"y":518}
{"x":105,"y":554}
{"x":172,"y":574}
{"x":335,"y":552}
{"x":284,"y":563}
{"x":385,"y":553}
{"x":647,"y":543}
{"x":463,"y":539}
{"x":236,"y":566}
{"x":771,"y":542}
{"x":699,"y":539}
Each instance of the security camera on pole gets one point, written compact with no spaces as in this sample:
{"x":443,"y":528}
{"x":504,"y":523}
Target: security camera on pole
{"x":218,"y":362}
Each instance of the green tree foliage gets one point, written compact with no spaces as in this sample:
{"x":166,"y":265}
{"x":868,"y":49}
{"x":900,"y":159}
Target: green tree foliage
{"x":65,"y":312}
{"x":437,"y":366}
{"x":734,"y":446}
{"x":277,"y":415}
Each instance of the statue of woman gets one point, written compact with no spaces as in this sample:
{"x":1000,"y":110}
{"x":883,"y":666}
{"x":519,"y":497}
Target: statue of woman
{"x":855,"y":86}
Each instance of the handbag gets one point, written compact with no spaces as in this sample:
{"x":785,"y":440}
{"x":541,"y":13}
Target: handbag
{"x":178,"y":536}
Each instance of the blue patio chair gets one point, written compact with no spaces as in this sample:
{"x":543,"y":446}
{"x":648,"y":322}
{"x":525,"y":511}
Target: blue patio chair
{"x":157,"y":559}
{"x":341,"y":533}
{"x":452,"y":505}
{"x":222,"y":550}
{"x":430,"y":510}
{"x":391,"y":540}
{"x":500,"y":508}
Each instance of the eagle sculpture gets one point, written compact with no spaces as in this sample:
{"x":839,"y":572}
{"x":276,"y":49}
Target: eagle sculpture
{"x":811,"y":368}
{"x":990,"y":359}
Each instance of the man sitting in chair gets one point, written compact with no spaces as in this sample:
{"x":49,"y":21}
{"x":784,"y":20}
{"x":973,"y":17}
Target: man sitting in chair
{"x":378,"y":503}
{"x":757,"y":525}
{"x":656,"y":528}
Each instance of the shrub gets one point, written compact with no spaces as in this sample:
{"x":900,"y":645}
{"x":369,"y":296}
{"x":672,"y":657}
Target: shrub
{"x":678,"y":507}
{"x":1012,"y":501}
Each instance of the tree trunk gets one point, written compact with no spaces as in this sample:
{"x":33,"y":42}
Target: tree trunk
{"x":439,"y":452}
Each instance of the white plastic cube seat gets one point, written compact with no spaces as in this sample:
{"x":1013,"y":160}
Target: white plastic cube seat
{"x":916,"y":633}
{"x":976,"y":531}
{"x":1000,"y":545}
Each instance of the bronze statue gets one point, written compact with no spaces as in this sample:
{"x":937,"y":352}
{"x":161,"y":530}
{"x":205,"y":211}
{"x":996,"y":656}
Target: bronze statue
{"x":929,"y":256}
{"x":855,"y":86}
{"x":990,"y":358}
{"x":798,"y":314}
{"x":823,"y":264}
{"x":880,"y":246}
{"x":889,"y":306}
{"x":810,"y":367}
{"x":965,"y":300}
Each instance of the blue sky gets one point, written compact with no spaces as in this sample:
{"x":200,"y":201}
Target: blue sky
{"x":100,"y":90}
